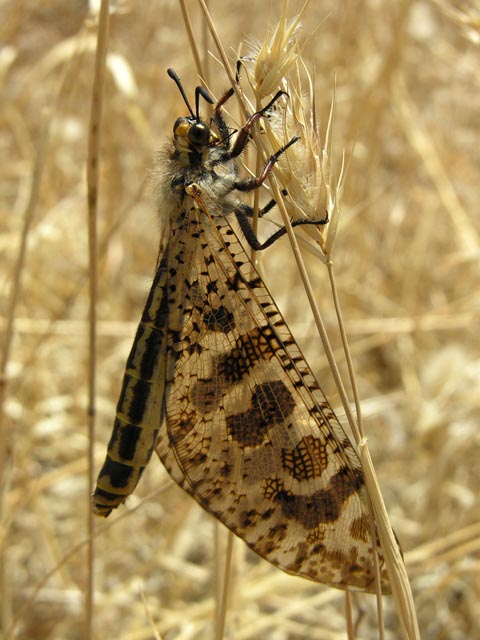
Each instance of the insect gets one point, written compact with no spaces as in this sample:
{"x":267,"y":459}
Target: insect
{"x":217,"y":384}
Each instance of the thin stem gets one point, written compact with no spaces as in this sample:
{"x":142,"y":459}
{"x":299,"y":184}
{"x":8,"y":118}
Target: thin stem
{"x":346,"y":350}
{"x":314,"y":307}
{"x":222,"y":610}
{"x":349,"y":616}
{"x":94,"y":135}
{"x":191,"y":38}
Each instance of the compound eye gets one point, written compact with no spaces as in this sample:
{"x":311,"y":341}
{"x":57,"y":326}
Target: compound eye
{"x":199,"y":133}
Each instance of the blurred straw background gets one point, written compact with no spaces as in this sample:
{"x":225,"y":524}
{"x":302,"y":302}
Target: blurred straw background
{"x":406,"y":258}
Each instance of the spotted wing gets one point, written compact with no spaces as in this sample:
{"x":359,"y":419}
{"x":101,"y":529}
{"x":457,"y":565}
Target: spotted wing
{"x":248,"y":431}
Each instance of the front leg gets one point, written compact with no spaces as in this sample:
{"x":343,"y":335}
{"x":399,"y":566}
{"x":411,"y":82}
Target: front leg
{"x":244,"y":133}
{"x":218,"y":118}
{"x":250,"y":184}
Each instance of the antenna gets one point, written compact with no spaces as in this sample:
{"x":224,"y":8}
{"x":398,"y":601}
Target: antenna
{"x":178,"y":82}
{"x":199,"y":91}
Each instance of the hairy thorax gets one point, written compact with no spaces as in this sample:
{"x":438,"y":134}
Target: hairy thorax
{"x":206,"y":170}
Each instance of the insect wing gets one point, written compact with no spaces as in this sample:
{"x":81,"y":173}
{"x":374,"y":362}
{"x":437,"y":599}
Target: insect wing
{"x":248,"y":432}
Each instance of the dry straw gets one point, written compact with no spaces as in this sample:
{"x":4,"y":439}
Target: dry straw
{"x":396,"y":84}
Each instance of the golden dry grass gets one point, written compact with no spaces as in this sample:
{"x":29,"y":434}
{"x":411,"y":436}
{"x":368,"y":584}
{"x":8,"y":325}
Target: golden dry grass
{"x":406,"y":259}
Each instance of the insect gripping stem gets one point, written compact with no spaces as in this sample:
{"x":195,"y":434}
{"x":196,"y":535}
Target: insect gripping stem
{"x":217,"y":384}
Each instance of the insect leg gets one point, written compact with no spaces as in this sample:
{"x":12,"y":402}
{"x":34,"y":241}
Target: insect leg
{"x":243,"y":212}
{"x":248,"y":211}
{"x":217,"y":117}
{"x":244,"y":133}
{"x":249,"y":184}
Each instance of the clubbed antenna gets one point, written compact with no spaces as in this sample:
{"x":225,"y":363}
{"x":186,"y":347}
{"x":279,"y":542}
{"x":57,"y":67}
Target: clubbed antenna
{"x":173,"y":75}
{"x":199,"y":91}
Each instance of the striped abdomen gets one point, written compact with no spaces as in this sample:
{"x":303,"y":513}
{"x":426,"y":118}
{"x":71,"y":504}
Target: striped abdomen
{"x":140,"y":407}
